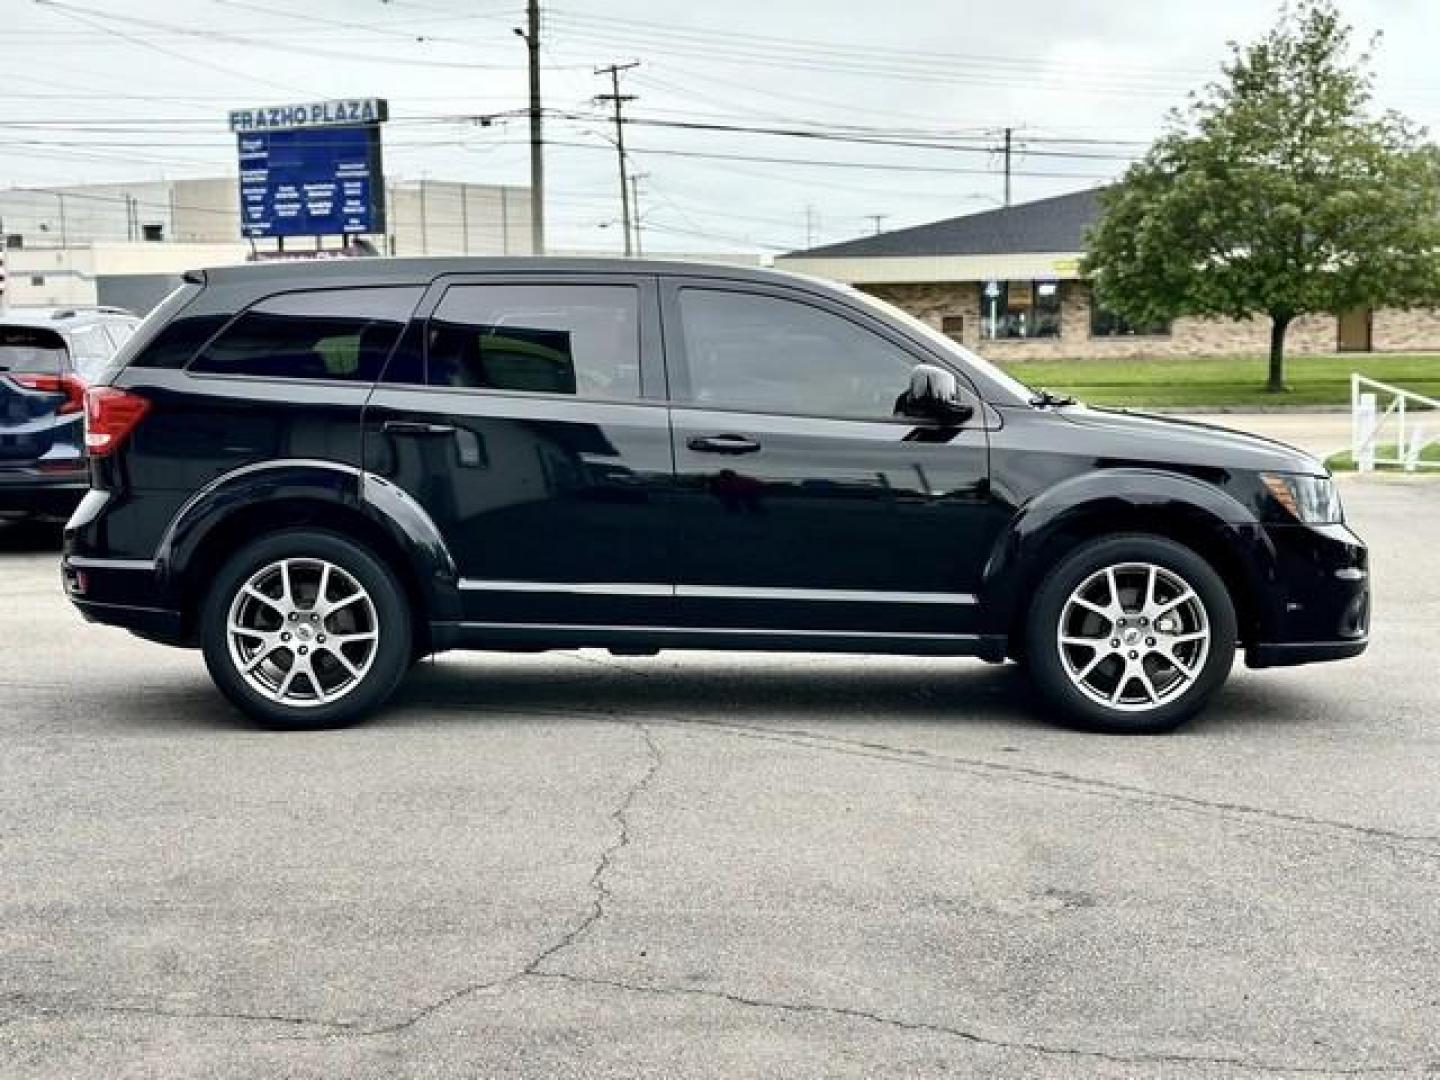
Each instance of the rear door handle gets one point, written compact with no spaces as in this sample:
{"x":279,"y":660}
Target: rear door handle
{"x":723,"y":444}
{"x":416,"y":427}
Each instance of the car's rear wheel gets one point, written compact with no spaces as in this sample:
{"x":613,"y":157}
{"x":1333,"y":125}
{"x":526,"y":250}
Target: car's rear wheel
{"x":306,"y":629}
{"x":1131,"y":634}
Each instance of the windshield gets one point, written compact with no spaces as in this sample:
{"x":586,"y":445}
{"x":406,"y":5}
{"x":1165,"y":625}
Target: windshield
{"x":969,"y":360}
{"x":32,"y":350}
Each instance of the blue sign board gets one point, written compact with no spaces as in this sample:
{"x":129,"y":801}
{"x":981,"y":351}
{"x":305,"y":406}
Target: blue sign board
{"x":311,"y":181}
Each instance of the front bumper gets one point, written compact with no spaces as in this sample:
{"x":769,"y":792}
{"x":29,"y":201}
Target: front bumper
{"x":1317,"y":602}
{"x":1303,"y":652}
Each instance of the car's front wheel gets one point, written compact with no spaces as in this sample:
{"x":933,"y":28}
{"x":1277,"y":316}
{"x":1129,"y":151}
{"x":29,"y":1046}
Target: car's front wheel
{"x":1131,"y":634}
{"x":306,"y":629}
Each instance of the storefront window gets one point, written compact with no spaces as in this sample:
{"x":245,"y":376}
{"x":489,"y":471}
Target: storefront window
{"x":1105,"y":323}
{"x":1019,"y":309}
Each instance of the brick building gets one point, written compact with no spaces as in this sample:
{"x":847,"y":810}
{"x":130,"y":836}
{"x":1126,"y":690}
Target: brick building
{"x":1006,"y":282}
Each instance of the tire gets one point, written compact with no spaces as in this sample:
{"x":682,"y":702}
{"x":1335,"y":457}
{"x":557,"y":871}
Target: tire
{"x":253,"y":639}
{"x":1174,"y":651}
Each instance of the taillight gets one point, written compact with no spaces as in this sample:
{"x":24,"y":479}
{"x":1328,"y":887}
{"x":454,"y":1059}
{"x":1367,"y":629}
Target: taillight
{"x":70,"y":385}
{"x":110,"y":417}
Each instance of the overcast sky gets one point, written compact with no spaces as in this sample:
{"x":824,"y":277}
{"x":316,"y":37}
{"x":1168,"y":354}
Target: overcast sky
{"x":104,"y":90}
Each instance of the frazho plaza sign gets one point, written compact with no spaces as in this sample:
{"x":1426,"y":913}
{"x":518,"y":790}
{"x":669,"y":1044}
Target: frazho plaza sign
{"x":341,"y":113}
{"x":311,"y":170}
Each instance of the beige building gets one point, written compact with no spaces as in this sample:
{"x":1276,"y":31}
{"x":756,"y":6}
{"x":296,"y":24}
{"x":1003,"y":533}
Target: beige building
{"x":127,"y":244}
{"x":1006,"y":283}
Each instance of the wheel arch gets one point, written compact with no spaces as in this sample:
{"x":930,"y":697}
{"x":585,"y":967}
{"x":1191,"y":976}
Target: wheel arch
{"x":1179,"y":508}
{"x":240,"y":506}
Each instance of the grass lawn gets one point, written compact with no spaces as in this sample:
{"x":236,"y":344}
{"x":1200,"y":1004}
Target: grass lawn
{"x":1230,"y":382}
{"x":1343,"y":462}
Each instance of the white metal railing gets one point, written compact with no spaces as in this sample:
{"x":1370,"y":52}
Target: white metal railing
{"x":1401,"y":425}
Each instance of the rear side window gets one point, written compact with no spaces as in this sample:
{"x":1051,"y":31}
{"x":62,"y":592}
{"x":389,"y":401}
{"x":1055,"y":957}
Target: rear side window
{"x":342,"y":334}
{"x":90,"y":349}
{"x":119,"y":332}
{"x":33,"y":350}
{"x":579,"y":340}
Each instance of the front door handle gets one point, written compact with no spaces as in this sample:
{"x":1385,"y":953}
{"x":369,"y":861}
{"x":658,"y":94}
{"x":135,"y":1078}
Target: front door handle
{"x":723,"y":444}
{"x":416,"y":427}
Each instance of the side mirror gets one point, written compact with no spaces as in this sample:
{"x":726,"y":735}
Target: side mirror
{"x":934,"y":394}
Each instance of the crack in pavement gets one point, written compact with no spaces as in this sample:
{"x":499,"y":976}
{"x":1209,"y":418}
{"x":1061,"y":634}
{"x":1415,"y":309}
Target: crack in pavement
{"x":599,"y":889}
{"x":64,"y":1010}
{"x":1402,"y":843}
{"x":537,"y":968}
{"x":978,"y":1039}
{"x":597,"y":884}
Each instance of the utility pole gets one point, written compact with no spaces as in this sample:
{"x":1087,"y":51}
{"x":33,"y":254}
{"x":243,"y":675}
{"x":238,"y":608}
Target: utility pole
{"x":877,"y":219}
{"x":619,"y":100}
{"x":635,"y":179}
{"x":537,"y":135}
{"x":809,"y":225}
{"x":1008,"y":134}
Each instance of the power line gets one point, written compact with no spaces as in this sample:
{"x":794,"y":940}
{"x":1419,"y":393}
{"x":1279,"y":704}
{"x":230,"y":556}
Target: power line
{"x":80,"y":14}
{"x":223,"y":37}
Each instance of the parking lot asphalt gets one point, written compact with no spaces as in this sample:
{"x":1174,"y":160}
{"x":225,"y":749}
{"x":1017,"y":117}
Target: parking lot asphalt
{"x":577,"y":865}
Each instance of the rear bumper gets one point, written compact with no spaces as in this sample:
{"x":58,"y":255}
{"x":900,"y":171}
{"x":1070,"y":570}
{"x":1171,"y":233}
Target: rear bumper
{"x":30,"y":491}
{"x":153,"y":624}
{"x":120,"y":592}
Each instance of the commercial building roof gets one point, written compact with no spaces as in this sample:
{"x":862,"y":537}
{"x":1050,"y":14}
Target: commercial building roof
{"x":1057,"y":224}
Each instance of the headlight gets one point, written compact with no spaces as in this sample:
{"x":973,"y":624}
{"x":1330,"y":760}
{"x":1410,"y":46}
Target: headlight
{"x":1311,"y":499}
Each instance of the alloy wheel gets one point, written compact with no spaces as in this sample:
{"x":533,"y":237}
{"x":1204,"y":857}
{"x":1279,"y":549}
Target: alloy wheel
{"x":1134,"y":636}
{"x":302,"y":632}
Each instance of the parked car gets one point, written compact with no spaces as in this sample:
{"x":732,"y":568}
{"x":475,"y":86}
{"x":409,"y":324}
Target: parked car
{"x":318,"y":474}
{"x":47,"y":356}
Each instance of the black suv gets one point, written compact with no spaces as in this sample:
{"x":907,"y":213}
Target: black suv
{"x":321,"y":473}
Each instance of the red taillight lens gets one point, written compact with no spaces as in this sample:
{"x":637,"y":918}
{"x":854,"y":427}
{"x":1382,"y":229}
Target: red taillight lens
{"x":71,"y":386}
{"x":110,"y":417}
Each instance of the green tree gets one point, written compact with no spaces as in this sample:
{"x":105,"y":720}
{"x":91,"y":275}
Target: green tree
{"x":1278,"y":192}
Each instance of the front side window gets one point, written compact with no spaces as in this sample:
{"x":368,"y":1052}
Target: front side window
{"x":576,"y":340}
{"x":1019,"y":309}
{"x":769,"y":354}
{"x":342,"y":334}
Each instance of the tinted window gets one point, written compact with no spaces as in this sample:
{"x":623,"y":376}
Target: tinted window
{"x":549,"y":339}
{"x":166,"y":338}
{"x":33,"y":350}
{"x":767,"y":354}
{"x":325,"y":334}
